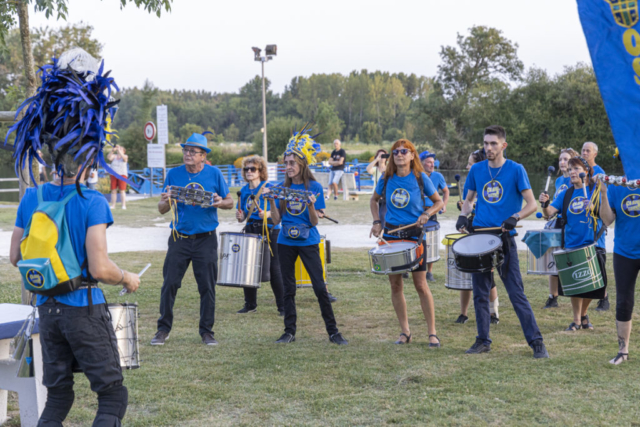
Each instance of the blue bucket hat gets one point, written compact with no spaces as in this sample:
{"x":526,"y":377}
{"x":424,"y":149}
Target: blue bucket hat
{"x":197,"y":140}
{"x":426,"y":154}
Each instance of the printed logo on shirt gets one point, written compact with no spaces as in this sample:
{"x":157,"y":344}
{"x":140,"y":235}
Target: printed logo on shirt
{"x":492,"y":191}
{"x":294,"y":232}
{"x":631,"y":205}
{"x":578,"y":205}
{"x":296,"y":208}
{"x":400,"y":198}
{"x":235,"y":248}
{"x":35,"y":278}
{"x":560,"y":189}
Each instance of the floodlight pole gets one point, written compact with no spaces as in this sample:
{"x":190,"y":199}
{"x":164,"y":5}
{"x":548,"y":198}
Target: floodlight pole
{"x":264,"y":114}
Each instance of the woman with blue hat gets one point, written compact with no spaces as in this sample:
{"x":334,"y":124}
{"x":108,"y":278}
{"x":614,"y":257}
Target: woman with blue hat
{"x":194,"y":240}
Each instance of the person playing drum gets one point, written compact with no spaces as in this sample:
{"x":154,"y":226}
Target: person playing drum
{"x":625,"y":211}
{"x":299,"y":236}
{"x":75,"y":327}
{"x":502,"y":185}
{"x":579,"y":232}
{"x":193,"y":239}
{"x":404,"y":188}
{"x":562,"y":183}
{"x":254,"y":171}
{"x":465,"y":296}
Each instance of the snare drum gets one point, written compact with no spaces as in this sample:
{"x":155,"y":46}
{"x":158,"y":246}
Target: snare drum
{"x":579,"y":270}
{"x":432,"y":239}
{"x":395,"y":257}
{"x":478,"y":253}
{"x":454,"y":278}
{"x":542,"y":244}
{"x":240,"y":260}
{"x":124,"y":318}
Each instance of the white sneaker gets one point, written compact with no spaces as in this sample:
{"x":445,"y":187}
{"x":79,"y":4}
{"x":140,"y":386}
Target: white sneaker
{"x":111,"y":207}
{"x":124,"y":207}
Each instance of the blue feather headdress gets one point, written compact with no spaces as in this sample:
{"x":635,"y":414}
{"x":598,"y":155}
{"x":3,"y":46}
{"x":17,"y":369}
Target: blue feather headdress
{"x":69,"y":114}
{"x":303,"y":145}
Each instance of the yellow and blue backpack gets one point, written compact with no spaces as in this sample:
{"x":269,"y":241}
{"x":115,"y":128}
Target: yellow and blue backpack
{"x":49,"y":265}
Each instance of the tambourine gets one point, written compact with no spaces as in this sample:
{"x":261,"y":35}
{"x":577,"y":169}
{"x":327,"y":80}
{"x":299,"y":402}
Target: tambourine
{"x":191,"y":196}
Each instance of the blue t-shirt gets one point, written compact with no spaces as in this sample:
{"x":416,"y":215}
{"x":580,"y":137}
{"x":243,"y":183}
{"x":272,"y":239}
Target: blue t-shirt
{"x":297,"y":213}
{"x":578,"y":230}
{"x":194,"y":219}
{"x":562,"y":184}
{"x":245,"y":202}
{"x":597,"y":169}
{"x":80,"y":214}
{"x":626,"y":203}
{"x":405,"y":204}
{"x":497,"y":200}
{"x":438,"y":182}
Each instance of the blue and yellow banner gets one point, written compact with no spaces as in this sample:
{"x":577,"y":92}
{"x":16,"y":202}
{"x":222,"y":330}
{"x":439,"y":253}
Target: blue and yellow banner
{"x":613,"y":36}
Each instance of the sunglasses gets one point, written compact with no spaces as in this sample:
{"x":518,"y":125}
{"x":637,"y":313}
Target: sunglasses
{"x":402,"y":151}
{"x":191,"y":152}
{"x":250,"y":169}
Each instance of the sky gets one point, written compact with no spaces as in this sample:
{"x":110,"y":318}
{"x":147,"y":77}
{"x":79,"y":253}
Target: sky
{"x":206,"y":44}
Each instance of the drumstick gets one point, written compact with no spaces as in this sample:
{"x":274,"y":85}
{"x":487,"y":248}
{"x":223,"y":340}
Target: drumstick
{"x":457,"y":177}
{"x":584,"y":189}
{"x":146,"y":267}
{"x":402,"y":228}
{"x":546,"y":188}
{"x":380,"y":238}
{"x":253,"y":199}
{"x":493,"y":228}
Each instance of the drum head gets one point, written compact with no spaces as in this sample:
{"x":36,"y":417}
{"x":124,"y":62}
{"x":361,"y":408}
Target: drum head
{"x":393,"y":247}
{"x":477,"y":244}
{"x":431,"y":226}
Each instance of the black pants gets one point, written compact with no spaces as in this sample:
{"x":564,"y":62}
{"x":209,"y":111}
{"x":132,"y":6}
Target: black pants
{"x":251,"y":294}
{"x":203,"y":252}
{"x":75,"y":341}
{"x":310,"y":256}
{"x":625,"y":271}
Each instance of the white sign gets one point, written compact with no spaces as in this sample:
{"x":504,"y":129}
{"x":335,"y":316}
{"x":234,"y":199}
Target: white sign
{"x":149,"y":131}
{"x":163,"y":124}
{"x":155,"y":156}
{"x":272,"y":170}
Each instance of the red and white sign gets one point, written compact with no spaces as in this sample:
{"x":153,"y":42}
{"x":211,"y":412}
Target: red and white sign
{"x":149,"y":131}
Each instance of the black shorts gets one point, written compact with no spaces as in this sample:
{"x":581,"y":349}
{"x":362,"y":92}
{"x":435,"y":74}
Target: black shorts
{"x":423,"y":264}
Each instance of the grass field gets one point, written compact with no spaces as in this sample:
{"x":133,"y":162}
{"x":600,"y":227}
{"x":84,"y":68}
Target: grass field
{"x":249,"y":380}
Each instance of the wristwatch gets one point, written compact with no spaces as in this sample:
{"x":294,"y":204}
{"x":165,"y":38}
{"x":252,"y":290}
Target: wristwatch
{"x":516,"y":216}
{"x":377,"y":222}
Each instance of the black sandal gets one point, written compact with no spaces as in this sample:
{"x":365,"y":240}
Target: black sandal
{"x":588,"y":325}
{"x":618,"y":357}
{"x":408,"y":339}
{"x":573,"y":327}
{"x":434,"y":345}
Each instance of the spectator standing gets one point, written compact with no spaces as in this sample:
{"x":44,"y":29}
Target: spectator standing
{"x":338,"y":156}
{"x":42,"y":170}
{"x":92,"y":181}
{"x":119,"y":160}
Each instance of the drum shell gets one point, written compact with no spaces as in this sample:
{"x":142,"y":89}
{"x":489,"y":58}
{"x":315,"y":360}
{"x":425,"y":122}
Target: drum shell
{"x":302,"y":276}
{"x":579,"y":270}
{"x":432,"y":238}
{"x":454,"y":278}
{"x":480,"y":262}
{"x":546,"y":264}
{"x":240,"y":260}
{"x":382,"y":262}
{"x":124,"y":318}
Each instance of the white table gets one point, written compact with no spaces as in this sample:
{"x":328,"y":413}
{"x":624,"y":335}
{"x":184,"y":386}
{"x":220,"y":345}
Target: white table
{"x":32,"y":395}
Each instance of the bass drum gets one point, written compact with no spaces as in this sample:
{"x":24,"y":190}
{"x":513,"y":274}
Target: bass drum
{"x":124,"y":318}
{"x":302,"y":277}
{"x":455,"y":279}
{"x":240,"y":260}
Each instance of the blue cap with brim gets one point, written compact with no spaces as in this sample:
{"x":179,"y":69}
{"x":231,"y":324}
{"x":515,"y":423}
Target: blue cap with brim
{"x":197,"y":140}
{"x":426,"y":154}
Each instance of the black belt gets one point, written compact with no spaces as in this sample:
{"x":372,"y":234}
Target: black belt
{"x":195,"y":236}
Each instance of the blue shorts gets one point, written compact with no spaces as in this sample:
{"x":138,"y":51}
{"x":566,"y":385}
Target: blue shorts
{"x":335,"y":176}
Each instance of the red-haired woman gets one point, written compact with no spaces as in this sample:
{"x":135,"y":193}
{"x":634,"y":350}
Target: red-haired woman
{"x":404,"y":188}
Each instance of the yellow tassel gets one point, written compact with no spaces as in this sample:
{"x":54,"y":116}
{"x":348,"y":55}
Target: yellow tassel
{"x":174,"y":218}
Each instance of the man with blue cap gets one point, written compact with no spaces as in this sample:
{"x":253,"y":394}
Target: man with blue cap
{"x":193,"y":239}
{"x":428,"y":163}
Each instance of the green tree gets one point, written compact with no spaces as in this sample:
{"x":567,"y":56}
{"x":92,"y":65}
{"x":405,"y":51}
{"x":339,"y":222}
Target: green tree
{"x":372,"y":133}
{"x":328,"y":122}
{"x":189,"y":129}
{"x":232,"y":133}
